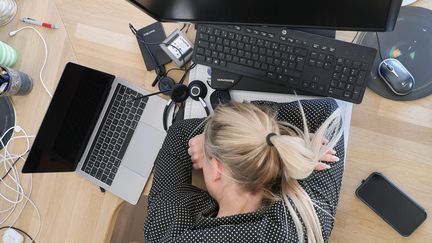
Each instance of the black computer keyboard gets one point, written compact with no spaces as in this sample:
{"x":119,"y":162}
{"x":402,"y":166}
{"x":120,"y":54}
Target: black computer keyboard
{"x":288,"y":57}
{"x":114,"y":134}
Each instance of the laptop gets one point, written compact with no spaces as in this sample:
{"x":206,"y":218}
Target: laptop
{"x":95,"y":127}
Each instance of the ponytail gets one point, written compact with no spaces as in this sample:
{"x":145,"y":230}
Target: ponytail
{"x":299,"y":155}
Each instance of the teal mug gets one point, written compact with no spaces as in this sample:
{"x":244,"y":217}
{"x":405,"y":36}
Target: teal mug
{"x":8,"y":55}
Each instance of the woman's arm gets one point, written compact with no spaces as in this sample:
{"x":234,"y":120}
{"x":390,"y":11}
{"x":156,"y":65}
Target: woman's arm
{"x":173,"y":165}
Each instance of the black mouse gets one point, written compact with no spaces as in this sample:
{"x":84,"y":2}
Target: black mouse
{"x":396,"y":76}
{"x":219,"y":97}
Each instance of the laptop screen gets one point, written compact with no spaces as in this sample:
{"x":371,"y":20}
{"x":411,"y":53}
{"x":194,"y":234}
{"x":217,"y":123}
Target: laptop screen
{"x":70,"y":119}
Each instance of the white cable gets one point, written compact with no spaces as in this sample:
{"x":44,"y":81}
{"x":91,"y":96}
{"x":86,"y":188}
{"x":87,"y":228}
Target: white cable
{"x":13,"y":33}
{"x":8,"y":159}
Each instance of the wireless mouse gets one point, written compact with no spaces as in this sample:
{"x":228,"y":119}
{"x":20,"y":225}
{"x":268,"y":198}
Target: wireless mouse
{"x":396,"y":76}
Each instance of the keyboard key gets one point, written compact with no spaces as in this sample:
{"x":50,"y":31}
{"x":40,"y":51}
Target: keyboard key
{"x":293,"y":81}
{"x":203,"y":44}
{"x":282,"y":78}
{"x":271,"y":75}
{"x":352,"y":79}
{"x":356,"y":65}
{"x":341,"y":85}
{"x":361,"y":77}
{"x":327,"y":65}
{"x":333,"y":83}
{"x":300,"y":51}
{"x":356,"y":93}
{"x":335,"y":91}
{"x":300,"y":65}
{"x":292,"y":73}
{"x":99,"y":173}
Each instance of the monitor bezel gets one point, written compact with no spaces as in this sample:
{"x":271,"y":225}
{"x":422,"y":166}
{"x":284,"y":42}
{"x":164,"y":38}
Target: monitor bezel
{"x":392,"y":15}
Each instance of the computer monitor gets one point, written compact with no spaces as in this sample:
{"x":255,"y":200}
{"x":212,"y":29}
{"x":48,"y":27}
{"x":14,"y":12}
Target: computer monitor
{"x":366,"y":15}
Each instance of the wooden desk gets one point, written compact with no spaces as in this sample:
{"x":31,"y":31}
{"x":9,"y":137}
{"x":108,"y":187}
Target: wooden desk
{"x":388,"y":136}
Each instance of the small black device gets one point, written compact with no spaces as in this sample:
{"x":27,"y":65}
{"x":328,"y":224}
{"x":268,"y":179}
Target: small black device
{"x":396,"y":76}
{"x":149,"y":39}
{"x":335,"y":14}
{"x":391,"y":204}
{"x":295,"y":59}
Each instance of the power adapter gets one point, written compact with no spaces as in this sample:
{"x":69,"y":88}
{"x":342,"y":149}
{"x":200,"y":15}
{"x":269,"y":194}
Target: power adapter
{"x":12,"y":236}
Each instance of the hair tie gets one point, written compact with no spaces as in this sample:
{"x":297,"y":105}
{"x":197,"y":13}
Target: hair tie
{"x":268,"y":138}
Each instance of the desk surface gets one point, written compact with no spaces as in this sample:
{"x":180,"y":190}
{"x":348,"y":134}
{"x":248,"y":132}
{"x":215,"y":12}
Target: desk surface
{"x":392,"y":137}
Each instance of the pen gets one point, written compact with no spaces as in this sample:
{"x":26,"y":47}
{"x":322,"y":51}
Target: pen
{"x":37,"y":22}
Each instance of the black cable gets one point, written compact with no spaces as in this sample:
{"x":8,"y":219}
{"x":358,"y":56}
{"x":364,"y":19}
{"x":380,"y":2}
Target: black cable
{"x":184,"y":26}
{"x":187,"y":29}
{"x":379,"y":46}
{"x":145,"y":96}
{"x":13,"y":164}
{"x":186,"y":72}
{"x":20,"y":230}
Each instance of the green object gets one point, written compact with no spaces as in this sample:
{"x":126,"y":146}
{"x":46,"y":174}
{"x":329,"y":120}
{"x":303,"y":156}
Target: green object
{"x":8,"y":55}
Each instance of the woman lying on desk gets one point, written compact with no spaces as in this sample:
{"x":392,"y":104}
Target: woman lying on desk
{"x":263,"y":172}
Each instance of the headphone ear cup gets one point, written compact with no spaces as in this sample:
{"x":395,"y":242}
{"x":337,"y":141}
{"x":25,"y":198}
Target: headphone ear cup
{"x":197,"y":89}
{"x":166,"y":83}
{"x":180,"y":93}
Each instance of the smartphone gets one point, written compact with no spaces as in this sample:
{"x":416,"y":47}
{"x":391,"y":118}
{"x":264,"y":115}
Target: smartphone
{"x":391,"y":204}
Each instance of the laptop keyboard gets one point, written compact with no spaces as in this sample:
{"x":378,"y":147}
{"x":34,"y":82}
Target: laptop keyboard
{"x":114,"y":134}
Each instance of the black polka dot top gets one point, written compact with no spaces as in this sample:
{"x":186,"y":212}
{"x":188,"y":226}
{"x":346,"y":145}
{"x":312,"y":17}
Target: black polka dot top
{"x":181,"y":212}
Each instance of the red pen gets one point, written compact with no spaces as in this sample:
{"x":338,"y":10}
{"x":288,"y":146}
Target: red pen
{"x":37,"y":22}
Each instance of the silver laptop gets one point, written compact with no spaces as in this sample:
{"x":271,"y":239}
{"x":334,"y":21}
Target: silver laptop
{"x":99,"y":126}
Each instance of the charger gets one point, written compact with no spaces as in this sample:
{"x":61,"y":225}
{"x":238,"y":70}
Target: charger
{"x":178,"y":47}
{"x":12,"y":236}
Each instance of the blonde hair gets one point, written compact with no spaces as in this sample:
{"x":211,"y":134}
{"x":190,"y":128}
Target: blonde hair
{"x":236,"y":135}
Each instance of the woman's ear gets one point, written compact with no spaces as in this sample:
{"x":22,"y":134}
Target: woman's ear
{"x":217,"y":169}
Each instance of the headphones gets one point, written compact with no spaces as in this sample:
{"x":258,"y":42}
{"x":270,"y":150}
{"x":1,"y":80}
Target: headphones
{"x":196,"y":89}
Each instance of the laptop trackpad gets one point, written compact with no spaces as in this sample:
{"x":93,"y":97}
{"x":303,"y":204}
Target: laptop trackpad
{"x":143,"y":149}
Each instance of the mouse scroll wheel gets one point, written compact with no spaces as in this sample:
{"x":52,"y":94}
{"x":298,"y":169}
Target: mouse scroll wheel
{"x":390,"y":68}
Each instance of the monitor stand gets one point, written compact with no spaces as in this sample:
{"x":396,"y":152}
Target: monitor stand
{"x":222,"y":80}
